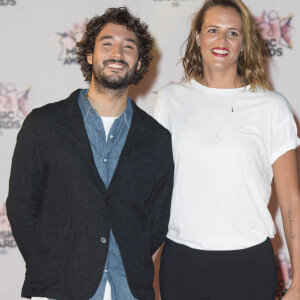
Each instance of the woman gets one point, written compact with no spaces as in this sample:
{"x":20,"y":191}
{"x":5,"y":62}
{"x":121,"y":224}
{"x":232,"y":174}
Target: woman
{"x":230,"y":135}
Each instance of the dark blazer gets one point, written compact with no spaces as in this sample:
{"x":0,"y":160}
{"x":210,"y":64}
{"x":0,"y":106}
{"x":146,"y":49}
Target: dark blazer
{"x":61,"y":212}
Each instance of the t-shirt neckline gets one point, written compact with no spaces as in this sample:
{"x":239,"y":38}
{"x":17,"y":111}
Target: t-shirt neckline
{"x":210,"y":90}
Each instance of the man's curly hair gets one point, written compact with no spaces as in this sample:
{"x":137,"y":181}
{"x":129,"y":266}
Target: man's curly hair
{"x":119,"y":16}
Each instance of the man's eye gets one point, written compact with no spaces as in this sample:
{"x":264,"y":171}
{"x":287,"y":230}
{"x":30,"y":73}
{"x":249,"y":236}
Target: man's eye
{"x":212,"y":30}
{"x":128,"y":47}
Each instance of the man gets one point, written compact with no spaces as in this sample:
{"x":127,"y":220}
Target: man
{"x":92,"y":176}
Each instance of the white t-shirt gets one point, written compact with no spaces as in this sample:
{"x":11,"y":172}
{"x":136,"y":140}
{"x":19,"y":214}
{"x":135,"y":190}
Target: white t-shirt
{"x":222,"y":185}
{"x":107,"y":124}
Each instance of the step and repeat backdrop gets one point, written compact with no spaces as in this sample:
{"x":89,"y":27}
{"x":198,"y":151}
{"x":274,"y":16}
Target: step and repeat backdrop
{"x":38,"y":66}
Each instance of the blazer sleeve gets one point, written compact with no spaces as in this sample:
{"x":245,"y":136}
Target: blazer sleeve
{"x":160,"y":202}
{"x":24,"y":196}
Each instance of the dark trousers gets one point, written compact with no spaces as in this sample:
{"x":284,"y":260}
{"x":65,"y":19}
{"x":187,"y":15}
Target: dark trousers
{"x":190,"y":274}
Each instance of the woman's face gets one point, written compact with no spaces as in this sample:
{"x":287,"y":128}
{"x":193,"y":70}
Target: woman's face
{"x":220,"y":39}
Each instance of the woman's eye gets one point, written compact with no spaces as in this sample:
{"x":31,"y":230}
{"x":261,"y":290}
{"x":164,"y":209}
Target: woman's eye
{"x":233,"y":33}
{"x":212,"y":30}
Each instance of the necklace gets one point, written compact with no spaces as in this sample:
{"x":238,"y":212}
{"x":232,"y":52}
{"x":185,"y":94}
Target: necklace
{"x":218,"y":130}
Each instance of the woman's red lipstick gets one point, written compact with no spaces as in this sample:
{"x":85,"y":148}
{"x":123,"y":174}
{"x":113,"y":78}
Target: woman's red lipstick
{"x":220,"y":52}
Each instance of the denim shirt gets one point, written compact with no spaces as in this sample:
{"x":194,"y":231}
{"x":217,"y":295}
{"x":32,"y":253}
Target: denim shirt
{"x":106,"y":155}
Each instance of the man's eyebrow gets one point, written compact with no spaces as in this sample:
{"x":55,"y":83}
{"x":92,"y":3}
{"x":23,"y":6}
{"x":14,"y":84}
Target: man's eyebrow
{"x":110,"y":37}
{"x":132,"y":41}
{"x":106,"y":37}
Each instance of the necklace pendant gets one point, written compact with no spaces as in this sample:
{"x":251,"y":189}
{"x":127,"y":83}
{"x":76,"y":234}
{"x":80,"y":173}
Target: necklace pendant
{"x":212,"y":123}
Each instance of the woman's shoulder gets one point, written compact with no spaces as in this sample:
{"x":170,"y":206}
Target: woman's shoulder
{"x":271,"y":96}
{"x":274,"y":101}
{"x":174,"y":92}
{"x":174,"y":88}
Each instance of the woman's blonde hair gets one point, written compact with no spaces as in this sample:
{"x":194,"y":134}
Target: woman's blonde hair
{"x":250,"y":61}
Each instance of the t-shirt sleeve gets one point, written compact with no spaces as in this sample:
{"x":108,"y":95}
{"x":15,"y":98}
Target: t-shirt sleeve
{"x":285,"y":135}
{"x":160,"y":111}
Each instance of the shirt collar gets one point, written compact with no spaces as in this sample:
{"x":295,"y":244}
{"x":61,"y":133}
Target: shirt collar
{"x":86,"y":107}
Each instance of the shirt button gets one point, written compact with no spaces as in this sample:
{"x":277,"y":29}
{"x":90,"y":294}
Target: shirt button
{"x":100,"y":133}
{"x":111,"y":136}
{"x":103,"y":240}
{"x":105,"y":270}
{"x":105,"y":159}
{"x":93,"y":110}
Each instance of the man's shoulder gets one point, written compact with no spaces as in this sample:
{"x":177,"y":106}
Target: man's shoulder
{"x":57,"y":106}
{"x":150,"y":123}
{"x":48,"y":116}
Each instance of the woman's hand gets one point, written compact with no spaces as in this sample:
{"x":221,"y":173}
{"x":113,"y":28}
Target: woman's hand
{"x":293,"y":293}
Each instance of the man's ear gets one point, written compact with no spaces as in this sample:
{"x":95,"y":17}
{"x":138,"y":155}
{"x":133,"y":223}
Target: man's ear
{"x":139,"y":64}
{"x":89,"y":58}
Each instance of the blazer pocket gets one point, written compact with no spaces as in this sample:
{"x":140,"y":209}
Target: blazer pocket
{"x":45,"y":259}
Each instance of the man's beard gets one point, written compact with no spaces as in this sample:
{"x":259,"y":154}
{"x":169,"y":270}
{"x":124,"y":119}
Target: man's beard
{"x":113,"y":82}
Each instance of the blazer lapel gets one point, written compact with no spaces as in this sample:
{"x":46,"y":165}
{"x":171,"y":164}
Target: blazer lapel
{"x":136,"y":132}
{"x":72,"y":120}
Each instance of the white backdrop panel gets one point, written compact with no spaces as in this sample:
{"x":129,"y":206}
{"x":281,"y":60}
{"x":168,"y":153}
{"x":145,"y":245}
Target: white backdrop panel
{"x":37,"y":67}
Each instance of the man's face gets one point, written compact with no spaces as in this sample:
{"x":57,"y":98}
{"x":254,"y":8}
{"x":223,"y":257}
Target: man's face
{"x":115,"y":57}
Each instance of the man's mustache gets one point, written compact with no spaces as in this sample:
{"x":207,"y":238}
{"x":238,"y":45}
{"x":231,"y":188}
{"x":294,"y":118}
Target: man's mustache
{"x":120,"y":61}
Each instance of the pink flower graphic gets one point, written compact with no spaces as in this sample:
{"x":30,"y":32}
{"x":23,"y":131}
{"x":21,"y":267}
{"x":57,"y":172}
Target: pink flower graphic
{"x":12,"y":102}
{"x":4,"y":224}
{"x":275,"y":29}
{"x":68,"y":40}
{"x":285,"y":270}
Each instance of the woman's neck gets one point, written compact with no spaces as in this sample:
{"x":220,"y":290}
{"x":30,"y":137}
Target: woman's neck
{"x":221,"y":81}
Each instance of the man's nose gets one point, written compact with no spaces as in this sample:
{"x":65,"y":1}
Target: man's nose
{"x":117,"y":51}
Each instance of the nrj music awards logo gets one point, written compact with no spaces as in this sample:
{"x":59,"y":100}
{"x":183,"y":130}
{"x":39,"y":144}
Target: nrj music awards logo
{"x":276,"y":31}
{"x":13,"y":106}
{"x":67,"y":41}
{"x":8,"y":2}
{"x":174,"y":3}
{"x":7,"y":240}
{"x":284,"y":272}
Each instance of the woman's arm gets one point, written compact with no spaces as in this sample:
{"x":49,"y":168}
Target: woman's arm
{"x":286,"y":178}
